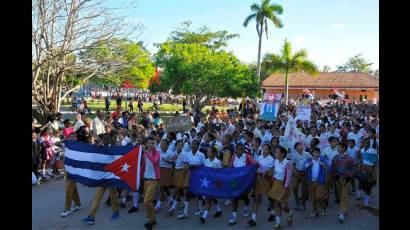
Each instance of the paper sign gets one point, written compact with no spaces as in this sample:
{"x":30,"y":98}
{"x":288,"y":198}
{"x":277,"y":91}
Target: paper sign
{"x":180,"y":123}
{"x":304,"y":112}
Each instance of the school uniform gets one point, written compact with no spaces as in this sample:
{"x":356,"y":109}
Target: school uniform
{"x":357,"y":137}
{"x":166,"y":168}
{"x":194,"y":159}
{"x":366,"y":175}
{"x":215,"y":163}
{"x":263,"y":183}
{"x":282,"y":178}
{"x":299,"y":161}
{"x":150,"y":171}
{"x":343,"y":168}
{"x":180,"y":172}
{"x":316,"y":178}
{"x":329,"y":153}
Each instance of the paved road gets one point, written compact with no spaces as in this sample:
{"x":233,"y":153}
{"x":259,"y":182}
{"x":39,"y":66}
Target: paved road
{"x":48,"y":203}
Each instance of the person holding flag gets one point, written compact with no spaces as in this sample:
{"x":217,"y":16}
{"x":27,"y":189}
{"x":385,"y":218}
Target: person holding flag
{"x":211,"y":162}
{"x":195,"y":158}
{"x":166,"y":173}
{"x":150,"y":172}
{"x":240,"y":159}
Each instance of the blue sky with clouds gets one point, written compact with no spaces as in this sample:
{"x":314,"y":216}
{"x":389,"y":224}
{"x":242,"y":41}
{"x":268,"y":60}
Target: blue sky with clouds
{"x":330,"y":30}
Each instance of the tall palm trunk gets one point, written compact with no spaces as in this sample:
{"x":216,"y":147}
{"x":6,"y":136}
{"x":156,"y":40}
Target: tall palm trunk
{"x":258,"y":67}
{"x":286,"y":88}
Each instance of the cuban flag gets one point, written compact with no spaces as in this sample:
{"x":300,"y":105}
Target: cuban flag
{"x":337,"y":93}
{"x":226,"y":183}
{"x":105,"y":166}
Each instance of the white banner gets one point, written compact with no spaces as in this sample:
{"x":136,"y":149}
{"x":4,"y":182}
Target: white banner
{"x":304,"y":112}
{"x":293,"y":134}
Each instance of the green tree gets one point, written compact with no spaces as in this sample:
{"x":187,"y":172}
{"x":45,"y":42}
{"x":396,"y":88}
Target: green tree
{"x":202,"y":73}
{"x":261,"y":14}
{"x":133,"y":60}
{"x":356,"y":64}
{"x":287,"y":62}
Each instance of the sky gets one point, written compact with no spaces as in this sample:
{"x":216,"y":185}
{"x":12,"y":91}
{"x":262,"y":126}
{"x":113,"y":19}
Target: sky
{"x":330,"y":30}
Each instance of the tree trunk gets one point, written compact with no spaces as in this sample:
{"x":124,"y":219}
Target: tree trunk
{"x":258,"y":67}
{"x":286,"y":88}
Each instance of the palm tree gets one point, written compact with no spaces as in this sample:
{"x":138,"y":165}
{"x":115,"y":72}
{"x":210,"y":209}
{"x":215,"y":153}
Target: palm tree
{"x":261,"y":14}
{"x":286,"y":62}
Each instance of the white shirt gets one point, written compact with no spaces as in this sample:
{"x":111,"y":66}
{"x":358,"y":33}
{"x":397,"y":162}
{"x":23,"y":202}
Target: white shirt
{"x":98,"y":126}
{"x":181,"y":160}
{"x":149,"y":172}
{"x":266,"y":138}
{"x":239,"y":162}
{"x":330,"y":153}
{"x":77,"y":125}
{"x":215,"y":163}
{"x":335,"y":134}
{"x":356,"y":137}
{"x":196,"y":159}
{"x":265,"y":163}
{"x":257,"y":133}
{"x":315,"y":169}
{"x":280,"y":169}
{"x":126,"y":141}
{"x":352,"y":152}
{"x":300,"y":160}
{"x":164,"y":156}
{"x":309,"y":138}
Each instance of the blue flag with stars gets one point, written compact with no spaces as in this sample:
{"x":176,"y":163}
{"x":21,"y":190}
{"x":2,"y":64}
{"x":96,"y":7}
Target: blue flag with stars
{"x":225,"y":183}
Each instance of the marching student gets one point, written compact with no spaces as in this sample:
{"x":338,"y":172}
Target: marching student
{"x":211,"y":162}
{"x":282,"y":181}
{"x":90,"y":219}
{"x":240,"y":159}
{"x":256,"y":147}
{"x":316,"y":176}
{"x":195,"y":158}
{"x":299,"y":159}
{"x":329,"y":153}
{"x":138,"y":141}
{"x":263,"y":182}
{"x":248,"y":142}
{"x":150,"y":171}
{"x":353,"y":152}
{"x":365,"y":174}
{"x":343,"y":168}
{"x":165,"y":181}
{"x":180,"y":172}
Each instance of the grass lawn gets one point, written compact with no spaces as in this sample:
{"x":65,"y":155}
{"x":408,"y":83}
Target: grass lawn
{"x":147,"y":106}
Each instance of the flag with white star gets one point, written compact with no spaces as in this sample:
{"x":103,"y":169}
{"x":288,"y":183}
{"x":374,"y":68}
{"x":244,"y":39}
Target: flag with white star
{"x":225,"y":183}
{"x":103,"y":166}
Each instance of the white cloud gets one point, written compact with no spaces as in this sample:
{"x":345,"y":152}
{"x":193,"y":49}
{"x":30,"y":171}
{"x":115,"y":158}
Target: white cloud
{"x":300,"y":39}
{"x":338,"y":25}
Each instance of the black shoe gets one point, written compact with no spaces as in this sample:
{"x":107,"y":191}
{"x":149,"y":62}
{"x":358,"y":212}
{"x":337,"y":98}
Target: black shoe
{"x":326,"y":203}
{"x":271,"y":218}
{"x":218,"y":214}
{"x":133,"y":209}
{"x":108,"y":202}
{"x":337,"y":201}
{"x":122,"y":205}
{"x":251,"y":223}
{"x":202,"y":219}
{"x":149,"y":225}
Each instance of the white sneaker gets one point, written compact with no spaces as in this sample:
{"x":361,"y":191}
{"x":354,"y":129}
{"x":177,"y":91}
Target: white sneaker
{"x":245,"y":213}
{"x":66,"y":213}
{"x":76,"y":208}
{"x":227,"y":202}
{"x":232,"y":221}
{"x":341,"y":218}
{"x":182,"y":216}
{"x":198,"y":212}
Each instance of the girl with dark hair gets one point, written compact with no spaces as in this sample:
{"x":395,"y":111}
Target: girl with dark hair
{"x":263,"y":183}
{"x":282,"y":181}
{"x":365,"y":174}
{"x":240,"y":159}
{"x":211,"y":162}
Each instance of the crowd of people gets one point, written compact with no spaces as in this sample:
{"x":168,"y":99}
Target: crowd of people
{"x":331,"y":158}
